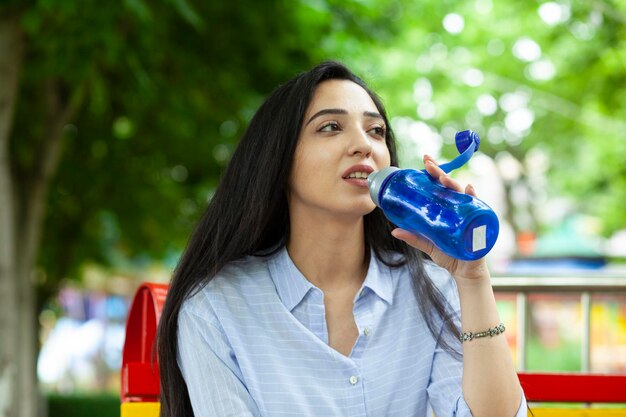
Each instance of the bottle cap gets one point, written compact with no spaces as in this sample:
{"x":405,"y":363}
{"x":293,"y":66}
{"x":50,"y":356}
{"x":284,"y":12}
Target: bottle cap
{"x":465,"y":138}
{"x":376,"y":179}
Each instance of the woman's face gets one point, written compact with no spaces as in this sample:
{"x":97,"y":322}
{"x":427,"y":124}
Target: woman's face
{"x":342,"y":140}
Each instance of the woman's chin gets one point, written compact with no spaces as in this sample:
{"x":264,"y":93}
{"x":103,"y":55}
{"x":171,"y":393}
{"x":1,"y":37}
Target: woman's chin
{"x":363,"y":208}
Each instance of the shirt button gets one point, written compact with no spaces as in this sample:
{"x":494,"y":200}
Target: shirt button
{"x":366,"y":331}
{"x":354,"y":380}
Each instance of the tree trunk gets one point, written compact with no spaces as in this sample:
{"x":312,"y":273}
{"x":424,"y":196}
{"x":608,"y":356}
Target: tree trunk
{"x":10,"y":63}
{"x":30,"y":230}
{"x":21,"y":226}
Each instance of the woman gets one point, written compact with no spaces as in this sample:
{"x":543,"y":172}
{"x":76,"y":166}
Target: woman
{"x":295,"y":297}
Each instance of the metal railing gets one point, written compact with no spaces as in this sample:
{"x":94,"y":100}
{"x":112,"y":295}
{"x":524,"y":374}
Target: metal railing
{"x":586,"y":285}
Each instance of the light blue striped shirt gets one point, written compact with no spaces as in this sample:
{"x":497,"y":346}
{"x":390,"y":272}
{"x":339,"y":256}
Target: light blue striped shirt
{"x":254,"y":342}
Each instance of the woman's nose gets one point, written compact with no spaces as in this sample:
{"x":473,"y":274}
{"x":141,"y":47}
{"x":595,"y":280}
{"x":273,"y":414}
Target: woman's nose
{"x":360,"y":143}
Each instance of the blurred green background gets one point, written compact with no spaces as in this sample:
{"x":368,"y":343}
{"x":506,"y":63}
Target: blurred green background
{"x":117,"y":118}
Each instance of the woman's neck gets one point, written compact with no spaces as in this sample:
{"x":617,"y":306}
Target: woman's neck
{"x":329,"y":253}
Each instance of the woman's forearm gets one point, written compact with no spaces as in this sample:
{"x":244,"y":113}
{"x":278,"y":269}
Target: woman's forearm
{"x":490,"y":383}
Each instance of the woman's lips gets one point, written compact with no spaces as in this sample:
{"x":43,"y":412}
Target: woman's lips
{"x":362,"y":168}
{"x":359,"y":182}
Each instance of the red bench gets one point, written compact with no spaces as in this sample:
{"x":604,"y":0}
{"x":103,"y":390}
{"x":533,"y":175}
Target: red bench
{"x":140,"y":388}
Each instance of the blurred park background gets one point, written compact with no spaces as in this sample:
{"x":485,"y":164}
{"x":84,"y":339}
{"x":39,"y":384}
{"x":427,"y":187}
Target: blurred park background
{"x":117,"y":118}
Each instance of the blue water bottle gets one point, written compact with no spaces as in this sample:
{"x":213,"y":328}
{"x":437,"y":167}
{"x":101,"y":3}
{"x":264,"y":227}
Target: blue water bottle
{"x":460,"y":225}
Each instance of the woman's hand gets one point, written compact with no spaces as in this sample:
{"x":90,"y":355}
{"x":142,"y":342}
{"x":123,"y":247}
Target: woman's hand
{"x":460,"y":270}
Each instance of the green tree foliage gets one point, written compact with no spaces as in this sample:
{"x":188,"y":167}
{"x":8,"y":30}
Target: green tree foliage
{"x":166,"y":90}
{"x":555,"y":72}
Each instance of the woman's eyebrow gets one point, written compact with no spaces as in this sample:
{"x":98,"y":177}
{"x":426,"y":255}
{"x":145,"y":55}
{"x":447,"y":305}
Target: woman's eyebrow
{"x":326,"y":111}
{"x":373,"y":114}
{"x":342,"y":111}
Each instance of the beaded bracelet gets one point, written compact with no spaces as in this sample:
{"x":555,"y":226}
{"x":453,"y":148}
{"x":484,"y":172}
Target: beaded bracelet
{"x":493,"y":331}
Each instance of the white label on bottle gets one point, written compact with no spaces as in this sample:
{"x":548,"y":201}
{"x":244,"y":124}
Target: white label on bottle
{"x":479,"y":238}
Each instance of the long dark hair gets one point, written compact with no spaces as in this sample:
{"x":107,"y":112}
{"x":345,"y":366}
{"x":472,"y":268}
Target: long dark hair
{"x":249,"y":215}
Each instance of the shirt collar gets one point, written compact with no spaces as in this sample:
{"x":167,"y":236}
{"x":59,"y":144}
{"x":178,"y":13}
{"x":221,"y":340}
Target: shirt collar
{"x":379,"y":279}
{"x":292,"y":286}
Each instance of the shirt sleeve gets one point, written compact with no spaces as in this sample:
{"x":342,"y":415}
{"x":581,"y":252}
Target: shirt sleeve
{"x":210,"y":370}
{"x":445,"y":383}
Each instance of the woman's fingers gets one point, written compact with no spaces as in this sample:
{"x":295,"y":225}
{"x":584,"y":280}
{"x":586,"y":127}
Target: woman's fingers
{"x":426,"y":246}
{"x":448,"y":182}
{"x":417,"y":242}
{"x":432,"y":168}
{"x":437,"y":173}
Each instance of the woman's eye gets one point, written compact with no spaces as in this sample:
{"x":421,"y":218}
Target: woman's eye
{"x":378,"y":131}
{"x":329,"y":127}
